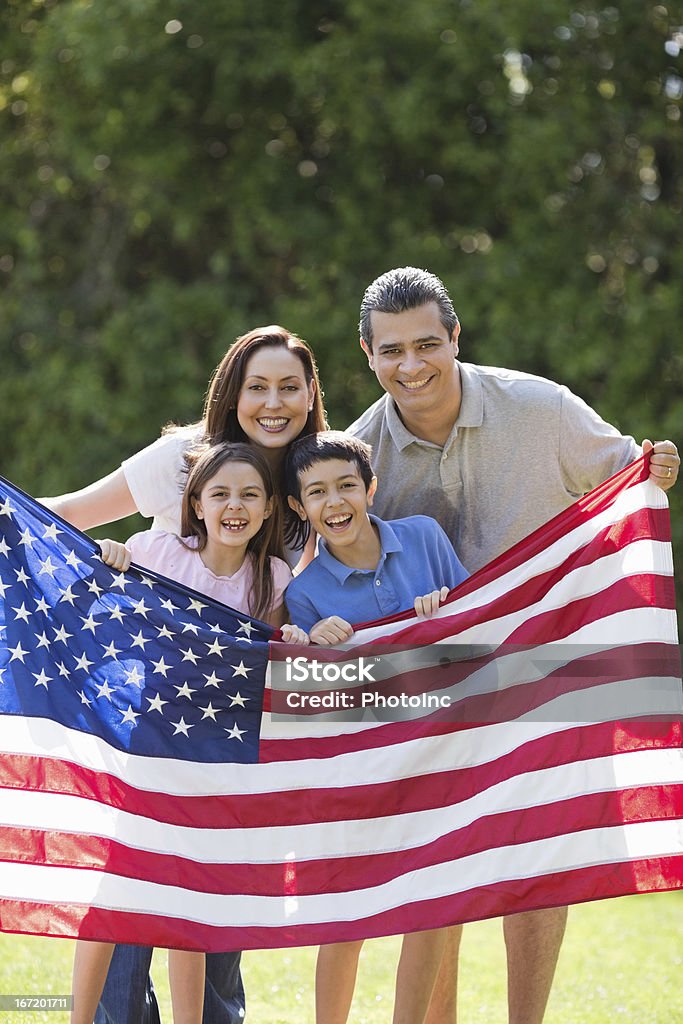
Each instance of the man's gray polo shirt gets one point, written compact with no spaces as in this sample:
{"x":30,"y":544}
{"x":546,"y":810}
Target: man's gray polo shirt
{"x":522,"y":449}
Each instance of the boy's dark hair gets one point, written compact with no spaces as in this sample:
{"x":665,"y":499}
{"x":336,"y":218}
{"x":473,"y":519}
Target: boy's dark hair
{"x":401,"y":289}
{"x":322,"y":447}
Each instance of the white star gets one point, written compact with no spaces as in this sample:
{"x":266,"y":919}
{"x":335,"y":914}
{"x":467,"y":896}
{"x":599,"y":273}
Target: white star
{"x":196,"y":606}
{"x":190,"y":627}
{"x":22,"y":613}
{"x":51,"y":531}
{"x":169,"y":606}
{"x":3,"y":588}
{"x":84,"y":699}
{"x":72,"y":560}
{"x":161,"y":667}
{"x":4,"y":546}
{"x":6,"y":509}
{"x":2,"y":672}
{"x":61,"y":634}
{"x":94,"y":588}
{"x":41,"y":679}
{"x":68,"y":595}
{"x":189,"y":655}
{"x":47,"y":567}
{"x":42,"y":606}
{"x":215,"y":647}
{"x":240,"y":670}
{"x":209,"y":712}
{"x":119,"y":580}
{"x":63,"y":670}
{"x":245,"y":627}
{"x":140,"y":641}
{"x":156,"y":703}
{"x":141,"y":608}
{"x":18,"y":652}
{"x":43,"y":641}
{"x":182,"y":726}
{"x":133,"y":676}
{"x":110,"y":651}
{"x":215,"y":628}
{"x":83,"y":662}
{"x":129,"y":715}
{"x":165,"y":632}
{"x":90,"y":623}
{"x":239,"y":699}
{"x":105,"y":690}
{"x":117,"y":614}
{"x":146,"y":581}
{"x":212,"y":680}
{"x":21,"y":576}
{"x":235,"y":733}
{"x":27,"y":538}
{"x":184,"y":691}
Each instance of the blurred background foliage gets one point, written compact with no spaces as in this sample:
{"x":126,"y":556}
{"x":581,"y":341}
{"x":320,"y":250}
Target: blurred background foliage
{"x":174,"y":173}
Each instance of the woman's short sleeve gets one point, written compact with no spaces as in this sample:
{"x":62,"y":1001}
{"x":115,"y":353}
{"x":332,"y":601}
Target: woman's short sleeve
{"x":156,"y":477}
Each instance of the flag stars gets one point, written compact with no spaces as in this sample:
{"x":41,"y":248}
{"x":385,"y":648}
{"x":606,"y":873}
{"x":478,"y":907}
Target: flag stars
{"x":90,"y":623}
{"x":156,"y":703}
{"x":18,"y":653}
{"x":129,"y":715}
{"x":182,"y":727}
{"x":169,"y":606}
{"x":83,"y":662}
{"x":61,"y":634}
{"x":216,"y":648}
{"x":42,"y":641}
{"x":62,"y":669}
{"x":51,"y":532}
{"x":22,"y":576}
{"x":6,"y":509}
{"x":140,"y":641}
{"x":240,"y":670}
{"x":42,"y":606}
{"x":41,"y":678}
{"x":209,"y":712}
{"x":110,"y":651}
{"x":3,"y":588}
{"x":119,"y":580}
{"x":165,"y":632}
{"x":140,"y":608}
{"x":116,"y":614}
{"x":68,"y":595}
{"x":47,"y":567}
{"x":84,"y":700}
{"x":4,"y":546}
{"x":189,"y":655}
{"x":134,"y":676}
{"x":212,"y":680}
{"x":238,"y":699}
{"x":245,"y":627}
{"x":27,"y":538}
{"x":196,"y":606}
{"x":95,"y":588}
{"x":22,"y":612}
{"x":191,"y":627}
{"x":72,"y":560}
{"x":161,"y":667}
{"x":235,"y":733}
{"x":184,"y":691}
{"x":105,"y":690}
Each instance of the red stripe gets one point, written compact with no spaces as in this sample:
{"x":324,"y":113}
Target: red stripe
{"x":657,"y":874}
{"x":348,"y":873}
{"x":366,"y":801}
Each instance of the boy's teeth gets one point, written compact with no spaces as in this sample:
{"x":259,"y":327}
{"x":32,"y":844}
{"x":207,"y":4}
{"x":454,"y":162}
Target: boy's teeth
{"x":337,"y":520}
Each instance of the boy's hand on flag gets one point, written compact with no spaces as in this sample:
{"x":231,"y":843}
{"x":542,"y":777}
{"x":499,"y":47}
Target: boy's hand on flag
{"x":429,"y":603}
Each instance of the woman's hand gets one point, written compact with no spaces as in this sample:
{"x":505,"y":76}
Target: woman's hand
{"x":333,"y":630}
{"x":115,"y":554}
{"x":294,"y":635}
{"x":429,"y":603}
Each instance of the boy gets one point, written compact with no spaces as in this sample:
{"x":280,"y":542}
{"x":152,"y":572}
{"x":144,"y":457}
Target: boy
{"x":365,"y":569}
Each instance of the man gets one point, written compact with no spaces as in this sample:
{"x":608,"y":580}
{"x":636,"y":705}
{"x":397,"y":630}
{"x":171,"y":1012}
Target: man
{"x":491,"y":454}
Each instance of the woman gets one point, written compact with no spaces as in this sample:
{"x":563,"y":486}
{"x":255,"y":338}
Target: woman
{"x":265,"y":391}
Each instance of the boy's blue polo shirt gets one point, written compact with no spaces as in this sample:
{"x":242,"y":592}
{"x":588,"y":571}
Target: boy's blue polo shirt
{"x":416,"y":557}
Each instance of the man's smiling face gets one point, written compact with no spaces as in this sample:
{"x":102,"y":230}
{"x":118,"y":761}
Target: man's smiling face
{"x":414,"y":360}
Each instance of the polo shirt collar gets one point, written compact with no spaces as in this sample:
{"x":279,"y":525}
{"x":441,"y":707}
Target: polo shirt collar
{"x":388,"y":542}
{"x":471,"y":410}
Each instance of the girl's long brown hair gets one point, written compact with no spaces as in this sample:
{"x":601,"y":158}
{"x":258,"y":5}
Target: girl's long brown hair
{"x":266,"y":543}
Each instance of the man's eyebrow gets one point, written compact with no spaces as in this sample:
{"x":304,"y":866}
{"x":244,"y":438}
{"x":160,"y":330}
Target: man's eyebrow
{"x":413,"y":341}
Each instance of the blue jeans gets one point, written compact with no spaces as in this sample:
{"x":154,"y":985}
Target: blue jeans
{"x":128,"y":996}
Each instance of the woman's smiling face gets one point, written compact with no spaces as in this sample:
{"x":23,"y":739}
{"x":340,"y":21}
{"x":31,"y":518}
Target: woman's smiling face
{"x":275,"y":398}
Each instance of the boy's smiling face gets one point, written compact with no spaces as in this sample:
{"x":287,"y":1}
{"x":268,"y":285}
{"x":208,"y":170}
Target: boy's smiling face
{"x":335,"y":502}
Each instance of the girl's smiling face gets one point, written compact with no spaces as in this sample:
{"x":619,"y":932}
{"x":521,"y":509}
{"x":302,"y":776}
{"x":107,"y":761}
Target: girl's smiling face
{"x":233,"y":504}
{"x":275,"y":398}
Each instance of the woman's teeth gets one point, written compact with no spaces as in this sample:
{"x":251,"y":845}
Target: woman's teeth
{"x":273,"y":424}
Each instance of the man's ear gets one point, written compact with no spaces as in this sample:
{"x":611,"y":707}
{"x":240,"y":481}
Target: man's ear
{"x":371,"y":490}
{"x":297,"y":507}
{"x":454,"y":340}
{"x":368,"y":352}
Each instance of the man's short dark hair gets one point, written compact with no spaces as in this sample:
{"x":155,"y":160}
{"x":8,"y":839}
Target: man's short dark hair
{"x":322,"y":447}
{"x":402,"y":289}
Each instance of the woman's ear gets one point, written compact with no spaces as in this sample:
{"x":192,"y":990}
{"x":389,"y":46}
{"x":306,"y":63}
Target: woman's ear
{"x":311,"y":395}
{"x":297,"y":507}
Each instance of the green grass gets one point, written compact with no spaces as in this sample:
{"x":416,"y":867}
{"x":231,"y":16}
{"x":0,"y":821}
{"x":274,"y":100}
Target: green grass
{"x":621,"y":962}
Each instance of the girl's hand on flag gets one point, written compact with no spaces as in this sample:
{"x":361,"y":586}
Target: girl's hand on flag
{"x":115,"y":554}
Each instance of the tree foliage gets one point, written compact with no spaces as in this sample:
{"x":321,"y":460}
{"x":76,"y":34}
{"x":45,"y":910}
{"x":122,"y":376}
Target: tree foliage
{"x":175,"y":173}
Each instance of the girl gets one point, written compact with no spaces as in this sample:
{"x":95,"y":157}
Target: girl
{"x":229,"y":550}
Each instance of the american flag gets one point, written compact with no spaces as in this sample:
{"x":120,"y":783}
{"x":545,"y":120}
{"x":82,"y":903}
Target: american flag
{"x":157,"y":787}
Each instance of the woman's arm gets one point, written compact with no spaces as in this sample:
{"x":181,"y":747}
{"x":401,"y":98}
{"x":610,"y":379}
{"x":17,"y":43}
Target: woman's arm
{"x":104,"y":501}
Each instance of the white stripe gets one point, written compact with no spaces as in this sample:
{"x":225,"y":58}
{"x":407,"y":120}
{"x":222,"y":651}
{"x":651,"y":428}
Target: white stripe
{"x":273,"y":844}
{"x":619,"y":844}
{"x":618,"y":700}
